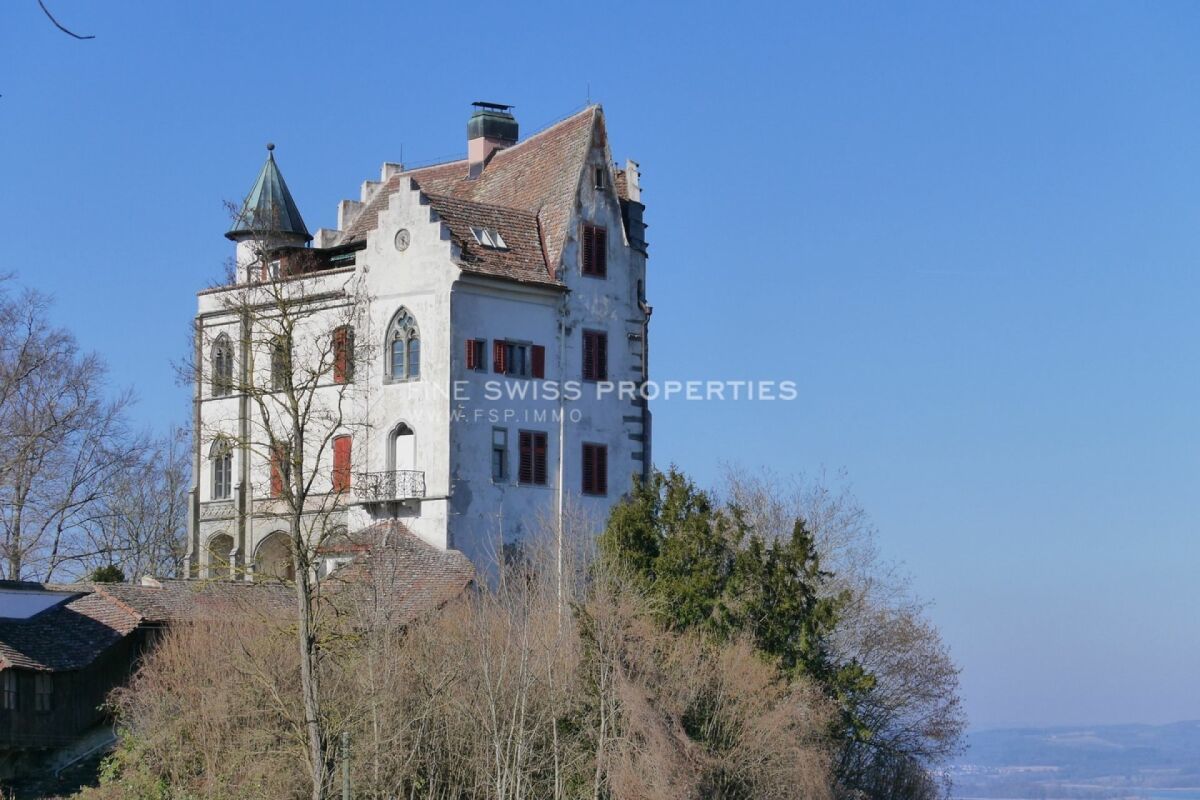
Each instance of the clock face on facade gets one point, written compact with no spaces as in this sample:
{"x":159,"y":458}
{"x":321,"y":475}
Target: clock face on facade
{"x":402,"y":239}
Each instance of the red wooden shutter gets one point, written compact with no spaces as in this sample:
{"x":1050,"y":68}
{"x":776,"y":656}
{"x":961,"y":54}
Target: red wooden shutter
{"x":600,"y":248}
{"x":471,"y":355}
{"x":589,"y":262}
{"x":341,"y":355}
{"x":539,"y":361}
{"x":539,"y":459}
{"x":276,"y":471}
{"x":498,"y":351}
{"x":525,"y":471}
{"x":341,"y":463}
{"x":601,"y":469}
{"x":589,"y":472}
{"x":589,"y":356}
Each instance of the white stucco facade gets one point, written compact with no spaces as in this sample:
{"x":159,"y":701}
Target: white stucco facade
{"x":439,"y":431}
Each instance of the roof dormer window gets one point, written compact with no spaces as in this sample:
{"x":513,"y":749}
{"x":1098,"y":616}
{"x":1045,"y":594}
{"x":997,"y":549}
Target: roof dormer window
{"x":489,"y":237}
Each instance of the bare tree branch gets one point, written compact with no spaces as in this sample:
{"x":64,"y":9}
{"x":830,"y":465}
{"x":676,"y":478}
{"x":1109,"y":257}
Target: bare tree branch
{"x":59,"y":25}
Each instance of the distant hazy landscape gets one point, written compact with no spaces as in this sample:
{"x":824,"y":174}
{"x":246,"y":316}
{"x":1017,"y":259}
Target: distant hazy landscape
{"x":1146,"y":762}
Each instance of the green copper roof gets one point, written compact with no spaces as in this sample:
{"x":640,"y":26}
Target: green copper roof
{"x":269,"y":208}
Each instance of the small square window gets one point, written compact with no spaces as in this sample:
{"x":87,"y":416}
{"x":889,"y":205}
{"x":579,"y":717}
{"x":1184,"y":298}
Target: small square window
{"x":489,"y":237}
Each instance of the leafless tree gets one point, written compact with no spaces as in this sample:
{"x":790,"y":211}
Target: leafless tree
{"x":142,"y":520}
{"x":291,"y":372}
{"x":914,"y":710}
{"x":497,"y":696}
{"x":66,"y":442}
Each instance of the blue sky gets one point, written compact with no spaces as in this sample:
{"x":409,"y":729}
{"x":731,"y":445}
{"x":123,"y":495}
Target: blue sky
{"x":969,"y":231}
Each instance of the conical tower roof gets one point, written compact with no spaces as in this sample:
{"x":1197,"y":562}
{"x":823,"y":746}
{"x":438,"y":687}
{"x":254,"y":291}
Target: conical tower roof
{"x":269,"y":208}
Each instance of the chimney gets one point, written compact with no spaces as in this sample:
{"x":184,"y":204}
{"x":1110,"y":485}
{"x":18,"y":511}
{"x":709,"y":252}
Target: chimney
{"x":492,"y":127}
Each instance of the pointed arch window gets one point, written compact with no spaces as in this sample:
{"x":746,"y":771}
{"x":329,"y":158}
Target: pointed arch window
{"x":221,"y":456}
{"x":404,"y":348}
{"x":222,"y":367}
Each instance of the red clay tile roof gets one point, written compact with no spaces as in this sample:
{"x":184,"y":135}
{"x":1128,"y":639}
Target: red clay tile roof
{"x":177,"y":601}
{"x":401,"y":577}
{"x":67,"y":636}
{"x":522,"y":259}
{"x":538,"y":175}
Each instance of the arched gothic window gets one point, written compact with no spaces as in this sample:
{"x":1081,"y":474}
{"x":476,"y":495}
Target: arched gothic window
{"x":404,"y":348}
{"x":221,"y":456}
{"x":222,"y":367}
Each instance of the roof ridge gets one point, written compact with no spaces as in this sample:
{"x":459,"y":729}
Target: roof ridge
{"x":591,"y":107}
{"x":119,"y":603}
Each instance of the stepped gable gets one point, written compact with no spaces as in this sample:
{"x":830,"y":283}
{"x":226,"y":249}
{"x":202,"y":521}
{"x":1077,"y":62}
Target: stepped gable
{"x":538,"y":176}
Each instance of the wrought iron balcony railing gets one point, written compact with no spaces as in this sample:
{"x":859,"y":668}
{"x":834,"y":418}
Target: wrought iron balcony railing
{"x":379,"y":487}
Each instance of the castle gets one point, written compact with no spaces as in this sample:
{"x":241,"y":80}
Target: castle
{"x":471,"y":337}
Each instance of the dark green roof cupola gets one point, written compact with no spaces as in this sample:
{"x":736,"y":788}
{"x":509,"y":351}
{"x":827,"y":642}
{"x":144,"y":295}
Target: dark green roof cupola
{"x":269,"y":210}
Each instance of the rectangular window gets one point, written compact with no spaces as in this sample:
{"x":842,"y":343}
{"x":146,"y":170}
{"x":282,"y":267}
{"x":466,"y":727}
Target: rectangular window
{"x":281,"y":358}
{"x":222,"y":474}
{"x":499,"y":454}
{"x":475,"y":353}
{"x":341,"y":463}
{"x":43,"y":692}
{"x":8,"y":690}
{"x":601,"y":177}
{"x":595,"y":251}
{"x":281,"y":467}
{"x":533,"y":458}
{"x":517,"y":359}
{"x":343,"y":355}
{"x":595,"y":469}
{"x":222,"y":367}
{"x":595,"y":356}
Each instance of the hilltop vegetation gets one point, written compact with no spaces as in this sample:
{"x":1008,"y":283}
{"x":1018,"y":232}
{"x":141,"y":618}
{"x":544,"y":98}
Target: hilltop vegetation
{"x":700,"y":650}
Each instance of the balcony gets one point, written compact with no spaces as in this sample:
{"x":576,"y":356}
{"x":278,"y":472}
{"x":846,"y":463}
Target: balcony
{"x":388,"y":487}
